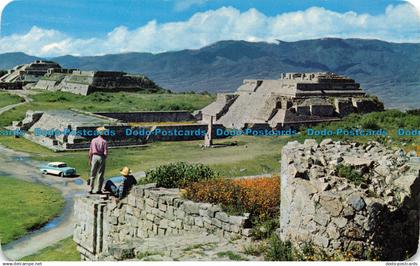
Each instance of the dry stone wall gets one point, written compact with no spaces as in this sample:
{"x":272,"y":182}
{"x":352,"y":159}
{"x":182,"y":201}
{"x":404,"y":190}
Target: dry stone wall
{"x":156,"y":117}
{"x":105,"y":228}
{"x":378,"y":218}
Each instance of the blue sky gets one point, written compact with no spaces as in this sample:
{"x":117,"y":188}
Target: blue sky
{"x":93,"y":18}
{"x":51,"y":27}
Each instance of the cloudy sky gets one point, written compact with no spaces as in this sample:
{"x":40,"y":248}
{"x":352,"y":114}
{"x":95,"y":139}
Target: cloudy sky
{"x":80,"y":27}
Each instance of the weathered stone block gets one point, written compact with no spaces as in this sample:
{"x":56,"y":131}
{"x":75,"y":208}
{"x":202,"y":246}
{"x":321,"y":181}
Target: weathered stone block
{"x":203,"y":212}
{"x":179,"y":223}
{"x":162,"y":231}
{"x":321,"y":241}
{"x":189,"y":220}
{"x":172,"y":224}
{"x":357,"y":202}
{"x":191,"y":207}
{"x":150,"y":202}
{"x":235,"y":228}
{"x":155,"y":229}
{"x":237,"y":220}
{"x":163,"y":207}
{"x":164,"y":224}
{"x":213,"y":210}
{"x":129,"y":210}
{"x":178,"y":202}
{"x":179,"y":213}
{"x":150,"y":217}
{"x":131,"y":200}
{"x":222,"y":216}
{"x":216,"y":222}
{"x":199,"y":222}
{"x":346,"y":213}
{"x":226,"y":227}
{"x":158,"y":213}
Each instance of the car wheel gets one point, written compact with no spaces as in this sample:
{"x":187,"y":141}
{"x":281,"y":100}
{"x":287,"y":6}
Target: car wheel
{"x":61,"y":174}
{"x":44,"y":172}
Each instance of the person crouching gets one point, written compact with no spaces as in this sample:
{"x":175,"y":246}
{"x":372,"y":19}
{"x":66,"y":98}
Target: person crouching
{"x":124,"y":188}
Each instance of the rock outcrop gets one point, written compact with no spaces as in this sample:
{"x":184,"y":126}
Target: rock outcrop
{"x":350,"y":197}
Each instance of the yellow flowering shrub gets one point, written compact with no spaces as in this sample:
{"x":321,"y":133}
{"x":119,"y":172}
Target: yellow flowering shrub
{"x":258,"y":196}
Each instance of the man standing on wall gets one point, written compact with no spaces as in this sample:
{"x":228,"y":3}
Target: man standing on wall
{"x":98,"y":153}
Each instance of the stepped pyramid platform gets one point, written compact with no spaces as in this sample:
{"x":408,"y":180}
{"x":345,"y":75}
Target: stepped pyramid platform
{"x":25,"y":74}
{"x":87,"y":82}
{"x":292,"y":100}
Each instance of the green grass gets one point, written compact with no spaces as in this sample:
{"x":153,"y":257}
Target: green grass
{"x":348,"y":171}
{"x":255,"y":248}
{"x":25,"y":206}
{"x":143,"y":255}
{"x":8,"y":99}
{"x":231,"y":255}
{"x":64,"y":250}
{"x":279,"y":250}
{"x":252,"y":155}
{"x":390,"y":120}
{"x":108,"y":102}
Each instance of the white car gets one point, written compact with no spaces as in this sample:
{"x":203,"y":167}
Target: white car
{"x":58,"y":168}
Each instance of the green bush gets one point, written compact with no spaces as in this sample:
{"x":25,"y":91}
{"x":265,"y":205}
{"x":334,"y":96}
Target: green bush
{"x":370,"y":124}
{"x":265,"y":228}
{"x":279,"y":250}
{"x":350,"y":173}
{"x":414,"y":112}
{"x":179,"y":175}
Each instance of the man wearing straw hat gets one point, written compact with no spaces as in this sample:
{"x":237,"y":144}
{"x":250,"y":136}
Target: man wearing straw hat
{"x":127,"y":181}
{"x":98,"y":153}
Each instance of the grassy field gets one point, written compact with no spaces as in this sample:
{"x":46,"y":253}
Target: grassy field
{"x":25,"y":206}
{"x":252,"y":155}
{"x":108,"y":102}
{"x":64,"y":250}
{"x":390,"y":120}
{"x":8,"y":99}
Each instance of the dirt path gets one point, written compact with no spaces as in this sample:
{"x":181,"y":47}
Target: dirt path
{"x":19,"y":165}
{"x":24,"y":94}
{"x":10,"y":107}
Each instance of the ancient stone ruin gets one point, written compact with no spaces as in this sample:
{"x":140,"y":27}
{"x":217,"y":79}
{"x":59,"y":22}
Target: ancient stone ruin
{"x":87,"y":82}
{"x":25,"y":74}
{"x":106,"y":230}
{"x":372,"y":212}
{"x":292,"y":100}
{"x":63,"y":130}
{"x":48,"y":75}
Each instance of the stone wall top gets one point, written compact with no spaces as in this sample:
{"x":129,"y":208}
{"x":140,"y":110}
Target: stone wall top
{"x":372,"y":210}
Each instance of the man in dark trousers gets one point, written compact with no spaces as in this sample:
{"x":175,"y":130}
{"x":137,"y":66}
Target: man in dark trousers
{"x":127,"y":181}
{"x":98,"y":153}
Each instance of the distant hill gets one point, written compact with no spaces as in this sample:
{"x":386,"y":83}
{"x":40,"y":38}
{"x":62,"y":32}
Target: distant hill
{"x":9,"y":60}
{"x":388,"y":70}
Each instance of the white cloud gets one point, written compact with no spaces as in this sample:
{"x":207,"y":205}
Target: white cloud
{"x":398,"y":23}
{"x":416,"y":4}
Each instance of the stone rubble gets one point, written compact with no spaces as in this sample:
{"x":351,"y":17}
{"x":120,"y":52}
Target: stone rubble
{"x":378,"y":216}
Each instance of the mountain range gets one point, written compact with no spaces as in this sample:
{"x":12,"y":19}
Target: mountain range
{"x":390,"y":71}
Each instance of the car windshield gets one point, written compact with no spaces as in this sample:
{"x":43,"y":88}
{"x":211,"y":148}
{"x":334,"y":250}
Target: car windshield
{"x":57,"y":165}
